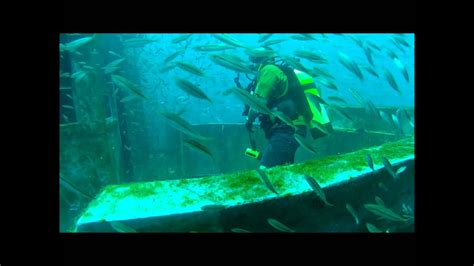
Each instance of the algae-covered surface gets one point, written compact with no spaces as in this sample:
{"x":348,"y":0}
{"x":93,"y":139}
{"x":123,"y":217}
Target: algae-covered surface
{"x":161,"y":198}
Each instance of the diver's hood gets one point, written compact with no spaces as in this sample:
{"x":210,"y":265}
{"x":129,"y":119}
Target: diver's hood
{"x":259,"y":59}
{"x":263,"y":58}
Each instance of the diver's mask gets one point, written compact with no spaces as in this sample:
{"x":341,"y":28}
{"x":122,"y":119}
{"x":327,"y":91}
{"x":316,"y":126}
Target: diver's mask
{"x":256,"y":62}
{"x":255,"y":67}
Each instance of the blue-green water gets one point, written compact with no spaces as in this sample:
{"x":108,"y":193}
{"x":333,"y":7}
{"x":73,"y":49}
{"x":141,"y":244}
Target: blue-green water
{"x":141,"y":146}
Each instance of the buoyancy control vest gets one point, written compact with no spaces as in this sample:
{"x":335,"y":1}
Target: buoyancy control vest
{"x":297,"y":102}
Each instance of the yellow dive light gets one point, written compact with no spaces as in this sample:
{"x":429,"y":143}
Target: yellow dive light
{"x":252,"y":153}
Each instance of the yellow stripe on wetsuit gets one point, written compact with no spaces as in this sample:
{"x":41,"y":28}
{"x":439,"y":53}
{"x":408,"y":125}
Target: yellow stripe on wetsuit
{"x":307,"y":82}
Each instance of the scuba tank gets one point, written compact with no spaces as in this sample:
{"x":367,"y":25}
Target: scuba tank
{"x":315,"y":116}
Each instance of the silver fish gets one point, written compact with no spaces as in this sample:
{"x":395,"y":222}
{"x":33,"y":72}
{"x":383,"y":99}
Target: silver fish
{"x":388,"y":167}
{"x":321,"y":72}
{"x":64,"y":75}
{"x":89,"y":68}
{"x":373,"y":46}
{"x":311,"y":56}
{"x":173,"y":56}
{"x":265,"y":180}
{"x":279,"y":226}
{"x":81,"y":77}
{"x":115,"y":54}
{"x":391,"y":54}
{"x":407,"y":209}
{"x":399,"y":39}
{"x":265,"y":37}
{"x":337,"y":99}
{"x":191,"y":89}
{"x":357,"y":40}
{"x":341,"y":111}
{"x":198,"y":146}
{"x":305,"y":144}
{"x":370,"y":70}
{"x":73,"y":188}
{"x":400,"y":47}
{"x":368,"y":54}
{"x":167,"y":68}
{"x":350,"y":65}
{"x":190,"y":68}
{"x":226,"y":38}
{"x":407,"y":115}
{"x":74,"y":45}
{"x":181,"y":38}
{"x":317,"y":189}
{"x":397,"y":122}
{"x":122,"y":228}
{"x":357,"y":96}
{"x":321,"y":127}
{"x":385,"y":117}
{"x":182,"y":125}
{"x":391,"y":80}
{"x":258,"y":52}
{"x":113,"y":66}
{"x":273,"y":42}
{"x":352,"y":212}
{"x":239,"y":230}
{"x":66,"y":119}
{"x":126,"y":84}
{"x":384,"y":212}
{"x":328,"y":83}
{"x":318,"y":99}
{"x":213,"y":47}
{"x":230,"y":63}
{"x":369,"y":161}
{"x":251,"y":100}
{"x":373,"y":109}
{"x":400,"y":170}
{"x":128,"y":98}
{"x":372,"y":228}
{"x":379,"y":201}
{"x":303,"y":37}
{"x":402,"y":68}
{"x":137,"y":42}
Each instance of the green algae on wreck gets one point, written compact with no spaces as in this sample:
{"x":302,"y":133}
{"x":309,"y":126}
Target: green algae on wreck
{"x":161,"y":198}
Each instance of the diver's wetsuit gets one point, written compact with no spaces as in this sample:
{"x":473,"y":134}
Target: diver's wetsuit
{"x":282,"y":145}
{"x":281,"y":148}
{"x":273,"y":85}
{"x":281,"y":88}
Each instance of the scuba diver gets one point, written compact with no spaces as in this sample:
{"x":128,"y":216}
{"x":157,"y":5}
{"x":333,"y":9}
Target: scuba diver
{"x":289,"y":91}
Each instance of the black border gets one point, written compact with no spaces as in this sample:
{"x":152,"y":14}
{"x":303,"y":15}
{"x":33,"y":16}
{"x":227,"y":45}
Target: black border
{"x":354,"y":17}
